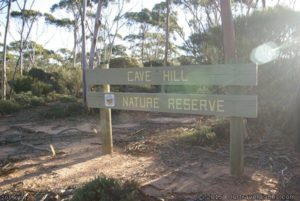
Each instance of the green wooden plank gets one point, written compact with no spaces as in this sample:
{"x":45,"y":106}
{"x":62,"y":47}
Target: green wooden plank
{"x":219,"y":105}
{"x":222,"y":74}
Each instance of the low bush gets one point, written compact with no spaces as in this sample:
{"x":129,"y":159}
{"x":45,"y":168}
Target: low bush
{"x":124,"y":62}
{"x":26,"y":84}
{"x":65,"y":110}
{"x":22,"y":84}
{"x":37,"y":101}
{"x":67,"y":99}
{"x":108,"y":189}
{"x":53,"y":96}
{"x":8,"y":107}
{"x":28,"y":99}
{"x":39,"y":88}
{"x":199,"y":137}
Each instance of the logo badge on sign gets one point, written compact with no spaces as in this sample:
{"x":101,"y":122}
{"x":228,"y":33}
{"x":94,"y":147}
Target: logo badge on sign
{"x":109,"y":100}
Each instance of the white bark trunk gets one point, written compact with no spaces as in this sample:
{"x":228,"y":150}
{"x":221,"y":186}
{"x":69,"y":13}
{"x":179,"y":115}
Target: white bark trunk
{"x":4,"y":78}
{"x":95,"y":35}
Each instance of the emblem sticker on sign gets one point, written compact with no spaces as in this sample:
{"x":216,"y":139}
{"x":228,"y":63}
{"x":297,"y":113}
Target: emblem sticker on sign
{"x":109,"y":100}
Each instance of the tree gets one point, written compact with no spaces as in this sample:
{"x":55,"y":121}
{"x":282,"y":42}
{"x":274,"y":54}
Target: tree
{"x":143,"y":18}
{"x":95,"y":35}
{"x":167,"y":33}
{"x":237,"y":128}
{"x":27,"y":17}
{"x":4,"y":78}
{"x":83,"y":50}
{"x":111,"y":26}
{"x":74,"y":7}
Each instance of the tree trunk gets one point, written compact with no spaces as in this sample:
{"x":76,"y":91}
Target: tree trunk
{"x":237,"y":126}
{"x":4,"y":78}
{"x":22,"y":40}
{"x":167,"y":33}
{"x":264,"y":4}
{"x":143,"y":44}
{"x":95,"y":35}
{"x":163,"y":87}
{"x":75,"y":46}
{"x":228,"y":32}
{"x":83,"y":60}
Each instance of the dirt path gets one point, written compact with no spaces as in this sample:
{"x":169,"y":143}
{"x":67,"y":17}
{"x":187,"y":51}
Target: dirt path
{"x":146,"y":150}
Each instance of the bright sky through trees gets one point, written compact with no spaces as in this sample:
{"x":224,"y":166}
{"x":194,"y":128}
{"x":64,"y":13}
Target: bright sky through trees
{"x":55,"y":38}
{"x":52,"y":37}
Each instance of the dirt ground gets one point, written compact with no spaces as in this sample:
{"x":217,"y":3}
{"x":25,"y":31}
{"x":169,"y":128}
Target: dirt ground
{"x":147,"y":150}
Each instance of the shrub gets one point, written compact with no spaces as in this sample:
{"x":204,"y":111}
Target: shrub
{"x":69,"y":80}
{"x":8,"y":107}
{"x":155,"y":63}
{"x":26,"y":84}
{"x":66,"y":110}
{"x":124,"y":62}
{"x":22,"y":84}
{"x":107,"y":189}
{"x":28,"y":100}
{"x":23,"y":98}
{"x":201,"y":137}
{"x":40,"y":75}
{"x":67,"y":99}
{"x":53,"y":96}
{"x":37,"y":101}
{"x":39,"y":88}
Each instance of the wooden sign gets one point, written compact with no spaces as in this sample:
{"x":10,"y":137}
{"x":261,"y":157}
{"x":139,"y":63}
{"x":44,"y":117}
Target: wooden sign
{"x":221,"y":74}
{"x":219,"y":105}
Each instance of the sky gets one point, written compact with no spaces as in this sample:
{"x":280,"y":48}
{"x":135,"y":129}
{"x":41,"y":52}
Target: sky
{"x":51,"y":37}
{"x":55,"y":38}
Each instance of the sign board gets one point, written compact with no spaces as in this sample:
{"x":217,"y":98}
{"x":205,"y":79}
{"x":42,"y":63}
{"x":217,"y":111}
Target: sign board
{"x":219,"y":105}
{"x":221,"y":74}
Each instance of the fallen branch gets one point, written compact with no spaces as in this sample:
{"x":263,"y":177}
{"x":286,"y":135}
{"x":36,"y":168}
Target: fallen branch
{"x":35,"y":147}
{"x":68,"y":129}
{"x":138,"y":131}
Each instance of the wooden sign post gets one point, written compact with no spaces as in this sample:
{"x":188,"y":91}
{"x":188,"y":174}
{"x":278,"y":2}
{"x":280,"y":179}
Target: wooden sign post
{"x":234,"y":106}
{"x":105,"y":122}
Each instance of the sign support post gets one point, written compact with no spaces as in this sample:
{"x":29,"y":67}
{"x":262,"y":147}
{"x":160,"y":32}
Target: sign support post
{"x":105,"y":122}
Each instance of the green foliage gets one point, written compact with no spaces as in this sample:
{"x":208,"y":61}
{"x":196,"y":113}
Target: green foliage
{"x":186,"y":60}
{"x":63,"y":98}
{"x":65,"y":110}
{"x":8,"y":107}
{"x":203,"y":136}
{"x":22,"y":84}
{"x":69,"y":80}
{"x":64,"y":23}
{"x":124,"y":62}
{"x":27,"y":14}
{"x":119,"y":50}
{"x":28,"y":100}
{"x":39,"y":88}
{"x":53,"y":80}
{"x":277,"y":24}
{"x":155,"y":63}
{"x":67,"y":99}
{"x":107,"y":189}
{"x":40,"y":75}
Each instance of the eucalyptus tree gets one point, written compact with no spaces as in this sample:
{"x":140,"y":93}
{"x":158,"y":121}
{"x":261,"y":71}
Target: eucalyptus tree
{"x":70,"y":6}
{"x":4,"y":78}
{"x":144,"y":20}
{"x":27,"y":17}
{"x":165,"y":19}
{"x":112,"y":25}
{"x":65,"y":23}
